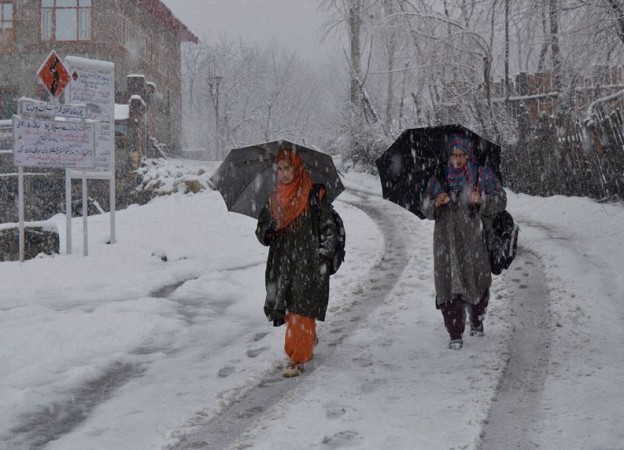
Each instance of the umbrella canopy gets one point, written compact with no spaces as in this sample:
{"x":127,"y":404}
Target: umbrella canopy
{"x":247,"y":176}
{"x":406,"y":167}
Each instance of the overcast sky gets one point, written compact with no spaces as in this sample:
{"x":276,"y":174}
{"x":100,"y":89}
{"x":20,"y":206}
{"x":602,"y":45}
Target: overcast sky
{"x":294,"y":24}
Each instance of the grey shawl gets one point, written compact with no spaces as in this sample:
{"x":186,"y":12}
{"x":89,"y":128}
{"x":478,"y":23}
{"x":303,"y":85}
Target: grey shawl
{"x":460,"y":257}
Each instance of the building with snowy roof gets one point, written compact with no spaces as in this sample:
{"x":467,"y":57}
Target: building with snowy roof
{"x":141,"y":37}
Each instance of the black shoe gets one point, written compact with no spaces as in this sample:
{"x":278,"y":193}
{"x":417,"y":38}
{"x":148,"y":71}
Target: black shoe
{"x":456,"y":344}
{"x":476,"y":330}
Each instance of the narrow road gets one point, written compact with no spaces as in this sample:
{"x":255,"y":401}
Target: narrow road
{"x":223,"y":430}
{"x":514,"y":416}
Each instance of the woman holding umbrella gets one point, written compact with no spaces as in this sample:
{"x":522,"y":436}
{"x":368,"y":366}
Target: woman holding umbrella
{"x":296,"y":277}
{"x":458,"y":200}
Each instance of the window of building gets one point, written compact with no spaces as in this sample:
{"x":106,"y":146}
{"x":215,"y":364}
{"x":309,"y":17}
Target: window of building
{"x":135,"y":40}
{"x":8,"y":106}
{"x":65,"y":20}
{"x":126,"y":31}
{"x":6,"y":27}
{"x":162,"y":58}
{"x":6,"y":15}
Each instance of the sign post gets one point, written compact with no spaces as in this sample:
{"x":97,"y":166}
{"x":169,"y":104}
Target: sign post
{"x":92,"y":82}
{"x":40,"y":140}
{"x":39,"y":114}
{"x":54,"y":74}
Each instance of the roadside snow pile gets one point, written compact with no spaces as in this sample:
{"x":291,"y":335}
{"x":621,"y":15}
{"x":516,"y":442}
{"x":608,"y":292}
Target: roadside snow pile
{"x":163,"y":177}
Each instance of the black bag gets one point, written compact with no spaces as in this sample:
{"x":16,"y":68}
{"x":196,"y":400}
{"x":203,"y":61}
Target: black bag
{"x":315,"y":207}
{"x":502,"y":241}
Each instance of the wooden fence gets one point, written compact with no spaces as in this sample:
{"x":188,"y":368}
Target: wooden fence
{"x":566,"y":157}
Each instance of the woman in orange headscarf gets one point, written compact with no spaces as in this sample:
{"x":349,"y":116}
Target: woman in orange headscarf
{"x":296,"y":278}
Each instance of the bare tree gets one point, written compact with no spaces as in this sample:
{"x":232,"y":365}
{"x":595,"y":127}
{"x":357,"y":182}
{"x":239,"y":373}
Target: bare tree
{"x":238,"y":93}
{"x":553,"y":15}
{"x":617,"y":8}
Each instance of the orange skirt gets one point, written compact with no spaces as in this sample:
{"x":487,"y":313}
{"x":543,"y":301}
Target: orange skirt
{"x":300,"y":337}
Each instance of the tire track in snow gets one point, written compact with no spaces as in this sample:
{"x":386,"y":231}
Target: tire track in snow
{"x":228,"y":426}
{"x":49,"y":422}
{"x":514,"y":415}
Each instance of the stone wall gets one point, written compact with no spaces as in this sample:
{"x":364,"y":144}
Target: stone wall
{"x":41,"y":237}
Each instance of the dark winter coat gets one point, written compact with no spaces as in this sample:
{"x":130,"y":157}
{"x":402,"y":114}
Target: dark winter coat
{"x":296,"y":276}
{"x":460,"y":256}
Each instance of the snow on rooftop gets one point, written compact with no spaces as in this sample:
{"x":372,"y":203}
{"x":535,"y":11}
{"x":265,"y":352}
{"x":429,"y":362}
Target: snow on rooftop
{"x":108,"y":65}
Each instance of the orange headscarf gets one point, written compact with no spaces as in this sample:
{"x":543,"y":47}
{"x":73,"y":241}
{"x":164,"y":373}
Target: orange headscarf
{"x":290,"y":200}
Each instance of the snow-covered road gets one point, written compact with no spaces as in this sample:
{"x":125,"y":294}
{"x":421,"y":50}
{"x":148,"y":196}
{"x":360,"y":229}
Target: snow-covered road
{"x":126,"y":349}
{"x":377,"y":341}
{"x":515,"y":414}
{"x":222,"y":430}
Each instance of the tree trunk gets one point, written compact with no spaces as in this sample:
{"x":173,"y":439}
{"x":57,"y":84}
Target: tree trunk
{"x":554,"y":43}
{"x":391,"y":50}
{"x":542,"y":55}
{"x":507,"y":93}
{"x":355,"y":24}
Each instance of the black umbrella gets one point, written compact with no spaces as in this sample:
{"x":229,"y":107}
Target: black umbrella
{"x":406,"y":167}
{"x":247,"y":177}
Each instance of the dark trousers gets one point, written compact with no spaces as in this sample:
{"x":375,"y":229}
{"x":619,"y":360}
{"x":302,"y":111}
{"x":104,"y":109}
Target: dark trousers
{"x":454,"y":313}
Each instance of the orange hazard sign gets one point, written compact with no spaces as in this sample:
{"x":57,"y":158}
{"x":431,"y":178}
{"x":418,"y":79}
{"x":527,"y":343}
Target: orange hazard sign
{"x":54,"y":74}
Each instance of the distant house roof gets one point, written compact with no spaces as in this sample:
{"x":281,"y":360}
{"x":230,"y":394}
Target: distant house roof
{"x":167,"y":18}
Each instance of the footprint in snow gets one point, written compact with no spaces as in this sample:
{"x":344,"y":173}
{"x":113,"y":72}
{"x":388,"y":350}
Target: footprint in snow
{"x":226,"y":371}
{"x":341,"y":439}
{"x":259,"y":336}
{"x":254,"y":352}
{"x":334,"y":411}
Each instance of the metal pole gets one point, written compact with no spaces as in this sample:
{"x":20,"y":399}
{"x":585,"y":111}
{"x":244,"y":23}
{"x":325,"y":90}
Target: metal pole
{"x":20,"y":195}
{"x":68,"y":213}
{"x":85,"y":211}
{"x":113,"y":205}
{"x":20,"y":201}
{"x":146,"y":131}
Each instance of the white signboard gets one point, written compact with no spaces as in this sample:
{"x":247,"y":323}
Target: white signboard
{"x":30,"y":107}
{"x":49,"y":143}
{"x":92,"y":82}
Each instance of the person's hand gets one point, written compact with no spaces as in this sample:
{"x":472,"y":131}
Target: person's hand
{"x":269,"y":307}
{"x":270,"y":232}
{"x":325,"y":264}
{"x":279,"y":317}
{"x":442,"y":199}
{"x":272,"y":228}
{"x":475,"y":198}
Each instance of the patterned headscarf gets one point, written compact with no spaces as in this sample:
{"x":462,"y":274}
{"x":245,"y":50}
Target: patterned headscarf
{"x":461,"y":142}
{"x":479,"y":179}
{"x":290,"y":200}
